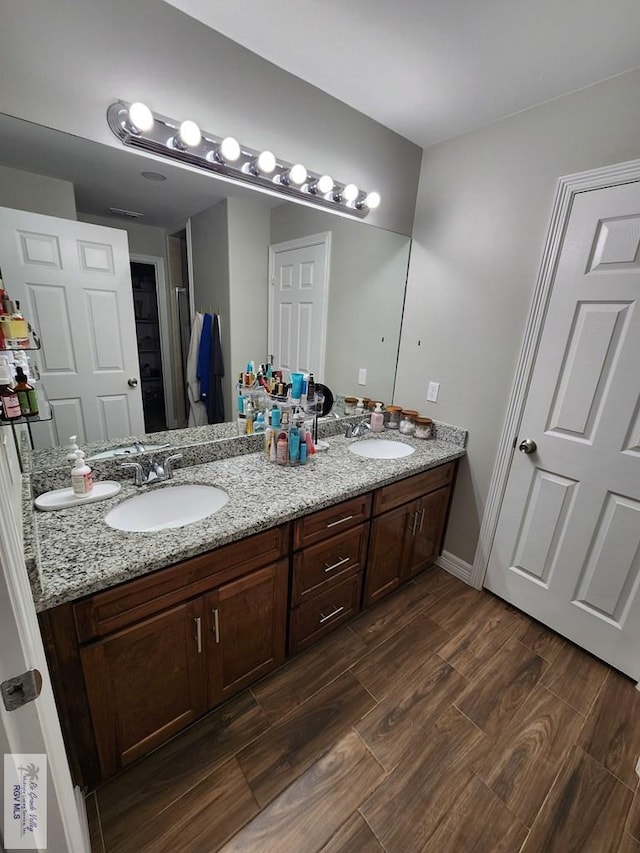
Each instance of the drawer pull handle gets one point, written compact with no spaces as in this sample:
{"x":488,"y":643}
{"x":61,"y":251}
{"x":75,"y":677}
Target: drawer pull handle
{"x":340,"y":521}
{"x":326,"y":618}
{"x":341,"y":562}
{"x":216,"y":624}
{"x":198,"y":621}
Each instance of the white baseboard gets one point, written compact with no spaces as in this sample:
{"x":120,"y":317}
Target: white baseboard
{"x":455,"y":566}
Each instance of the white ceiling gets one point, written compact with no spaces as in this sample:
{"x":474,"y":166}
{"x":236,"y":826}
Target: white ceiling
{"x":432,"y":69}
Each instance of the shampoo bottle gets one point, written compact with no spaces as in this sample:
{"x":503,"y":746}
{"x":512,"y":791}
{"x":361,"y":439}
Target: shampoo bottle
{"x":81,"y":476}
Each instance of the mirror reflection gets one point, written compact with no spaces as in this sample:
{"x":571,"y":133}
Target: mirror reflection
{"x":307,"y":288}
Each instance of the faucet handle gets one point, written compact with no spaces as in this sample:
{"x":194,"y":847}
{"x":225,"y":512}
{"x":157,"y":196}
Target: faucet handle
{"x":137,"y":467}
{"x":168,"y":463}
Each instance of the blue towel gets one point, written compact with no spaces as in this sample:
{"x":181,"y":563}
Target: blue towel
{"x":204,"y":357}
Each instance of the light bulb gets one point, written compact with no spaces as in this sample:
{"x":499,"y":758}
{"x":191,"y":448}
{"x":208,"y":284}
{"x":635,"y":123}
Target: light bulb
{"x":266,"y":163}
{"x":140,"y":116}
{"x":189,"y":134}
{"x":297,"y":174}
{"x":350,"y":192}
{"x":372,"y":200}
{"x":230,"y":149}
{"x":324,"y":184}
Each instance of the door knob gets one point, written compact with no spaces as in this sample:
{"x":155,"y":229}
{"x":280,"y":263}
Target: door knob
{"x":527,"y":446}
{"x":132,"y":383}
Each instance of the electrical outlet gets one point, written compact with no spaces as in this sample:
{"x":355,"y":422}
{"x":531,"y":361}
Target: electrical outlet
{"x":433,"y":391}
{"x":362,"y":376}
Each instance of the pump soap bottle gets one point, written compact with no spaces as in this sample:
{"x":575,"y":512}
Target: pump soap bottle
{"x":81,"y":476}
{"x":377,"y":419}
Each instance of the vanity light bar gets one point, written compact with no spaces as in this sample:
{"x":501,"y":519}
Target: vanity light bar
{"x":135,"y":125}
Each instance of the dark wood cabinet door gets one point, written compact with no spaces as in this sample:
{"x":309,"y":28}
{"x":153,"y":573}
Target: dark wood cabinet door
{"x":426,"y":541}
{"x":145,"y":683}
{"x":246,"y":624}
{"x":387,"y":547}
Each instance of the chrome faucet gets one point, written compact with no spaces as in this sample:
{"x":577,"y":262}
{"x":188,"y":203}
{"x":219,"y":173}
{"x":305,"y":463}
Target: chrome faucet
{"x":157,"y":472}
{"x":355,"y":430}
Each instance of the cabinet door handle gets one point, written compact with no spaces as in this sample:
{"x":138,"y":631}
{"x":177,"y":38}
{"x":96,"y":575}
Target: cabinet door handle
{"x":216,"y":624}
{"x":340,"y":521}
{"x":198,"y":621}
{"x":326,"y":618}
{"x":415,"y":521}
{"x":421,"y":520}
{"x":341,"y":562}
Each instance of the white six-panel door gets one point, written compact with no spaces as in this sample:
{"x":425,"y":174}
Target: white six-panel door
{"x":73,"y":281}
{"x":567,"y":544}
{"x":298,"y":301}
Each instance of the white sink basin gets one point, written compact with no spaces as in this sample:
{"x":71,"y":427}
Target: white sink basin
{"x":161,"y":509}
{"x":381,"y":448}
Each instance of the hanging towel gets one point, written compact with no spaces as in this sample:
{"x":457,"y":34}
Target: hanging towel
{"x":215,"y":402}
{"x":204,"y":358}
{"x":197,"y":409}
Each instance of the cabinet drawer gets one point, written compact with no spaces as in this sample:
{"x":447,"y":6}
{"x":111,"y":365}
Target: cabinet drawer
{"x":324,"y":612}
{"x":134,"y":600}
{"x":320,"y":525}
{"x":389,"y":497}
{"x":329,"y":562}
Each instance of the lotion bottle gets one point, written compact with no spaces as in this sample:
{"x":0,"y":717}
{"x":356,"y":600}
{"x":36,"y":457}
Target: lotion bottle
{"x":377,"y":419}
{"x":81,"y":476}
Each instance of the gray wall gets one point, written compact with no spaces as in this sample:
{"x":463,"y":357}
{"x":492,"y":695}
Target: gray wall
{"x":368,"y":271}
{"x":483,"y":212}
{"x":36,"y":193}
{"x":210,"y":246}
{"x":248,"y":225}
{"x":63,"y":63}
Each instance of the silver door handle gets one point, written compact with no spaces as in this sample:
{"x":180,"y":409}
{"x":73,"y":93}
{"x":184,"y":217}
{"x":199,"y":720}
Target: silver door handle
{"x":341,"y":562}
{"x":133,"y":382}
{"x":527,"y":446}
{"x":198,"y":621}
{"x":326,"y":618}
{"x":216,"y":624}
{"x":415,"y":521}
{"x":421,"y":520}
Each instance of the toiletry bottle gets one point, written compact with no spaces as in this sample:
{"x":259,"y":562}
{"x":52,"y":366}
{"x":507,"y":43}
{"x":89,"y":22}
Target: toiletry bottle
{"x":269,"y":434}
{"x":8,"y":395}
{"x":311,"y":390}
{"x":73,"y":448}
{"x":26,"y":394}
{"x":282,"y":449}
{"x":377,"y":419}
{"x":259,"y":424}
{"x":303,"y":452}
{"x":81,"y":476}
{"x":273,"y":447}
{"x":294,"y":446}
{"x":360,"y":406}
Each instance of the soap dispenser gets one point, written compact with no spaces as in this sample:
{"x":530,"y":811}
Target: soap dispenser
{"x":377,"y":419}
{"x":81,"y":476}
{"x":73,"y":448}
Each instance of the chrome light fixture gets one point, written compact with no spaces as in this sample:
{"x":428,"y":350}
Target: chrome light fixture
{"x":137,"y":126}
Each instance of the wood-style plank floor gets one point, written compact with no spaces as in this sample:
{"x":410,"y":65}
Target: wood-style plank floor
{"x":441,"y":720}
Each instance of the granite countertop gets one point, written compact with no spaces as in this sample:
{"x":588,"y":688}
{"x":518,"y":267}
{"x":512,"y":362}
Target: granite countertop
{"x":78,"y":554}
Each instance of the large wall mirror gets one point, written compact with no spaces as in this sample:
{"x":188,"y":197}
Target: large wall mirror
{"x":196,"y":241}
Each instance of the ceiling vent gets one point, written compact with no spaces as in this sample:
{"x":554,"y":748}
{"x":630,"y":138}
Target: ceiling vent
{"x":129,"y":214}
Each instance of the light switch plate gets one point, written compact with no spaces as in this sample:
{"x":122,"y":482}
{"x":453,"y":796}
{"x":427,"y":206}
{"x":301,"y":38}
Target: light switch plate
{"x":433,"y":391}
{"x":362,"y":376}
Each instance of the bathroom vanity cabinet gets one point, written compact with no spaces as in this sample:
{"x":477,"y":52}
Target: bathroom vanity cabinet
{"x":134,"y":664}
{"x":407,"y":529}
